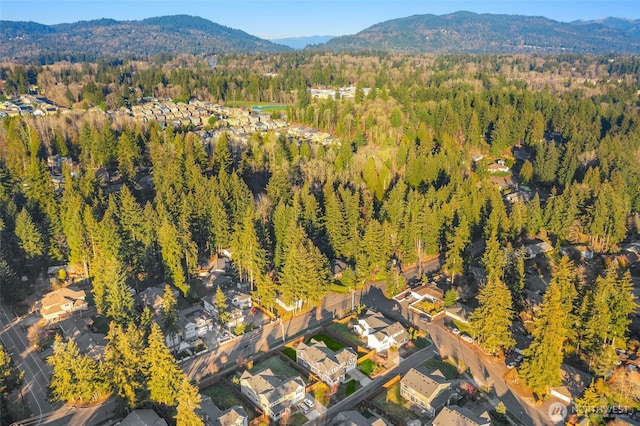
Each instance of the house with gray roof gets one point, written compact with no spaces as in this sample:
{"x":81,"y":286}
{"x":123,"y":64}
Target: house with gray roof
{"x":331,"y":367}
{"x":354,"y":418}
{"x":461,"y":416}
{"x":429,"y":391}
{"x":272,"y":394}
{"x":380,"y":333}
{"x":144,"y":417}
{"x":234,"y":416}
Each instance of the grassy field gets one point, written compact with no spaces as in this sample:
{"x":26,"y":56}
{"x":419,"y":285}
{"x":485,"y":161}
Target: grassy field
{"x":277,"y":365}
{"x":331,"y":343}
{"x":367,"y":367}
{"x":447,"y":369}
{"x":391,"y":402}
{"x":222,"y":397}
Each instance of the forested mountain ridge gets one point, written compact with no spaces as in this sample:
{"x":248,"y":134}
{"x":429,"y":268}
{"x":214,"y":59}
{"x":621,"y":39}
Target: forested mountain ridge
{"x":107,"y":37}
{"x":467,"y":32}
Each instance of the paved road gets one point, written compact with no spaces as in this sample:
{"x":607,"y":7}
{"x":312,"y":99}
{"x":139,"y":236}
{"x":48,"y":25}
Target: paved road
{"x":486,"y":372}
{"x":358,"y":396}
{"x":36,"y":371}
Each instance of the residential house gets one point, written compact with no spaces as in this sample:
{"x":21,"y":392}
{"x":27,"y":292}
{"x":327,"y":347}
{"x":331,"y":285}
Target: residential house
{"x":498,"y":168}
{"x":331,"y":367}
{"x":272,"y":394}
{"x":429,"y":292}
{"x":428,"y":391}
{"x":337,"y":268}
{"x":63,"y":301}
{"x":240,"y":299}
{"x":234,"y":416}
{"x":235,"y":315}
{"x":354,"y":418}
{"x":144,"y":417}
{"x":458,"y":312}
{"x":213,"y":416}
{"x":79,"y":330}
{"x":537,"y":248}
{"x":461,"y":416}
{"x":152,"y":298}
{"x":380,"y":333}
{"x":194,"y":322}
{"x":574,"y":383}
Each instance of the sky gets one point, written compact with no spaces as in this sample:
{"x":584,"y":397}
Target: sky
{"x":295,"y":18}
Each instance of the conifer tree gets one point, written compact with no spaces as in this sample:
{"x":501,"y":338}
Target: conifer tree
{"x":164,"y":376}
{"x":75,"y":377}
{"x":492,"y":320}
{"x":188,"y":402}
{"x":124,"y":366}
{"x":543,"y":358}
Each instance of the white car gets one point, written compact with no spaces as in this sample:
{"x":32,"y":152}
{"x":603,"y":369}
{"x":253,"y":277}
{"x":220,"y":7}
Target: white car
{"x":455,"y":331}
{"x":466,"y":338}
{"x":511,"y":365}
{"x":303,"y":407}
{"x":309,"y":402}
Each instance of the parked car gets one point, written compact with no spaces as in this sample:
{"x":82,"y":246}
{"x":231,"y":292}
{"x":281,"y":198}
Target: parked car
{"x":303,"y":407}
{"x":425,"y":319}
{"x":455,"y":330}
{"x":309,"y":402}
{"x":511,"y":365}
{"x":466,"y":338}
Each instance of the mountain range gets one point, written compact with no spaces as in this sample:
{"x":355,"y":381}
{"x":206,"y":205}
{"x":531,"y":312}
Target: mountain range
{"x":107,"y":37}
{"x":467,"y":32}
{"x":459,"y":32}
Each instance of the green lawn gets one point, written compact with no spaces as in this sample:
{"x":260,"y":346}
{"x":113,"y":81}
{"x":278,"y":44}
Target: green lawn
{"x":345,"y":332}
{"x":298,"y":419}
{"x":338,"y":288}
{"x":331,"y":343}
{"x":367,"y":366}
{"x":351,"y":387}
{"x":277,"y":365}
{"x":447,"y":369}
{"x":222,"y":396}
{"x":291,"y":353}
{"x":391,"y":402}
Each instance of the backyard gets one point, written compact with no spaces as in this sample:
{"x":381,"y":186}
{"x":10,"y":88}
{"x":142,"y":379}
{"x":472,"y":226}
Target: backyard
{"x":223,"y":398}
{"x":345,"y":332}
{"x":391,"y":402}
{"x":367,"y":367}
{"x":447,"y":369}
{"x":331,"y":343}
{"x":277,"y":366}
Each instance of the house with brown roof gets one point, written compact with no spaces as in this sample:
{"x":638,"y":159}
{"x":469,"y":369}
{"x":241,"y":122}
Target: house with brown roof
{"x":331,"y":367}
{"x":461,"y":416}
{"x":426,"y":390}
{"x":61,"y":302}
{"x":380,"y":333}
{"x":272,"y":394}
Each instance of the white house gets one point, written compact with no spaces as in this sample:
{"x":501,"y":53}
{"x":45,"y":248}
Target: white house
{"x":272,"y":394}
{"x":331,"y":367}
{"x":380,"y":333}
